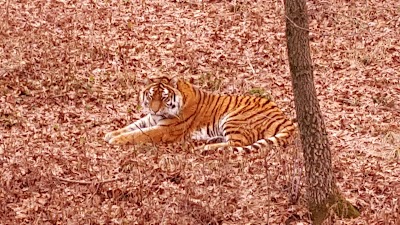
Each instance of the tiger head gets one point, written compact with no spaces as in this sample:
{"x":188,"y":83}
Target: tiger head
{"x":162,"y":98}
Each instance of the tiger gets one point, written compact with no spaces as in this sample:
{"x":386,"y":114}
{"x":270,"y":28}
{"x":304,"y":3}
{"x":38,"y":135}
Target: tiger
{"x":177,"y":109}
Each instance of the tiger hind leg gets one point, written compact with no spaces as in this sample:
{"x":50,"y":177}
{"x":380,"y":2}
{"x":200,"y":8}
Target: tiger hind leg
{"x":280,"y":139}
{"x":217,"y":139}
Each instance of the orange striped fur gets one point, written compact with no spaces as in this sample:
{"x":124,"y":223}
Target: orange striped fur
{"x":176,"y":109}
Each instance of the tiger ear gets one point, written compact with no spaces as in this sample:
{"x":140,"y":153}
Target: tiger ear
{"x":163,"y":79}
{"x":148,"y":81}
{"x":174,"y":81}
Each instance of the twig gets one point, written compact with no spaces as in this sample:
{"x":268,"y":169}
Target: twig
{"x":251,"y":66}
{"x":7,"y":12}
{"x":88,"y":182}
{"x":294,"y":24}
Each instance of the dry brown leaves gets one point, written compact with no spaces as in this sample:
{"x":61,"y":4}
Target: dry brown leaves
{"x":71,"y":70}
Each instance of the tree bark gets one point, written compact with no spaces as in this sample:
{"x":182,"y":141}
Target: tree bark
{"x":322,"y":193}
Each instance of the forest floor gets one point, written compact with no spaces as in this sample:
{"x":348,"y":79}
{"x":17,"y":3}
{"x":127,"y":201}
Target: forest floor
{"x":71,"y":71}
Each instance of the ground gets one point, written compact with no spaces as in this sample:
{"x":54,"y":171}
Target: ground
{"x":71,"y":71}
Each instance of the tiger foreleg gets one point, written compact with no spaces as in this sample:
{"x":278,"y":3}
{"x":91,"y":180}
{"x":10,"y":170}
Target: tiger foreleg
{"x":147,"y":135}
{"x":147,"y":121}
{"x":116,"y":133}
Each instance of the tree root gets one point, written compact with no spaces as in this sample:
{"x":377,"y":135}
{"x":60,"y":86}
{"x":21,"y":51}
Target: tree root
{"x":335,"y":205}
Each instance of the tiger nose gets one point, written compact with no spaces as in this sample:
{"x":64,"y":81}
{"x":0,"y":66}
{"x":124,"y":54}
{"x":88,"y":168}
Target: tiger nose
{"x":155,"y":108}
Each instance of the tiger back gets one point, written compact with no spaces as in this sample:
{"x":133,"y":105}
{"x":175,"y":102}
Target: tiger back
{"x":176,"y":109}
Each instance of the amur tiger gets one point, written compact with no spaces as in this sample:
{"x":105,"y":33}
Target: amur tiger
{"x":177,"y":109}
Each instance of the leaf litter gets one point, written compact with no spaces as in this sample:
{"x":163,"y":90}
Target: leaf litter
{"x":71,"y":71}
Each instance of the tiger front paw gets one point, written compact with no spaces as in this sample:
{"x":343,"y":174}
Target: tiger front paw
{"x":118,"y":140}
{"x":109,"y":136}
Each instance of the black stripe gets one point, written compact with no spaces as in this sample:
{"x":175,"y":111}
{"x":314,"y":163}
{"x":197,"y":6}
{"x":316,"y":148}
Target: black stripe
{"x":270,"y":122}
{"x":263,"y":118}
{"x":215,"y":131}
{"x":208,"y":132}
{"x":240,"y":132}
{"x":254,"y":113}
{"x":203,"y":101}
{"x":260,"y":135}
{"x":196,"y":113}
{"x":254,"y":134}
{"x":258,"y":123}
{"x":244,"y":110}
{"x":268,"y":126}
{"x":215,"y":108}
{"x":223,"y":112}
{"x":235,"y":107}
{"x":230,"y":132}
{"x":251,"y":107}
{"x":230,"y":126}
{"x":256,"y":146}
{"x":235,"y":101}
{"x":238,"y":103}
{"x":227,"y":105}
{"x":278,"y":128}
{"x":188,"y":118}
{"x":247,"y":150}
{"x":266,"y":103}
{"x":247,"y":100}
{"x":233,"y":123}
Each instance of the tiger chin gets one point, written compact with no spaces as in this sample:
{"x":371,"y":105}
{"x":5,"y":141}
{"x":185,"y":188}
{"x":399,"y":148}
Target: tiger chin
{"x":176,"y":109}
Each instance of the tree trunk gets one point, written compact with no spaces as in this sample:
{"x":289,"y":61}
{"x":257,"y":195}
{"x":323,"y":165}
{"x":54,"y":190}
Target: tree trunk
{"x":322,"y":193}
